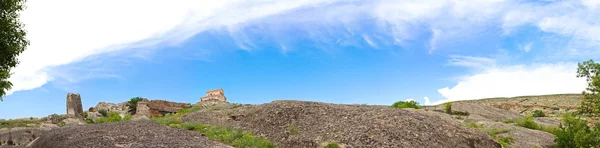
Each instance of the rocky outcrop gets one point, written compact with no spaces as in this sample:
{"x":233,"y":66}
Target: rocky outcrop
{"x":19,"y":137}
{"x":157,"y":108}
{"x":523,"y":137}
{"x":74,"y":108}
{"x":308,"y":124}
{"x":121,"y":108}
{"x":132,"y":134}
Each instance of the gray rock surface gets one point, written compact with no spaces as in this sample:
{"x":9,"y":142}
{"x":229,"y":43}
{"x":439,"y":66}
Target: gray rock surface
{"x":352,"y":125}
{"x":132,"y":134}
{"x":524,"y":137}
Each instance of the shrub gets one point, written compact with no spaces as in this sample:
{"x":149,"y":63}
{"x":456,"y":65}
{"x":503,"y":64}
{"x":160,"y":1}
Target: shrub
{"x":89,"y":121}
{"x":133,"y":103}
{"x":538,"y":113}
{"x":113,"y":117}
{"x":103,"y":112}
{"x":85,"y":114}
{"x":61,"y":123}
{"x":527,"y":122}
{"x":406,"y":104}
{"x":574,"y":132}
{"x":333,"y":145}
{"x":448,"y":107}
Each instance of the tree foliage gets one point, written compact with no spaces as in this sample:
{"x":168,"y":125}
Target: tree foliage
{"x":574,"y":132}
{"x":12,"y":40}
{"x":133,"y":103}
{"x":591,"y":101}
{"x":406,"y":104}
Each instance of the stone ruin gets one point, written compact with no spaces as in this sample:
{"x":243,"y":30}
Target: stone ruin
{"x":214,"y":95}
{"x":74,"y":108}
{"x":158,"y":108}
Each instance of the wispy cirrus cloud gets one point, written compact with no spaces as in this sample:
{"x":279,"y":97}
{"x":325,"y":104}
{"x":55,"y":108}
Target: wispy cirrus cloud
{"x":64,"y":32}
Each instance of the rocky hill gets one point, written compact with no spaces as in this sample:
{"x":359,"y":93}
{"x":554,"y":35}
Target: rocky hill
{"x":483,"y":123}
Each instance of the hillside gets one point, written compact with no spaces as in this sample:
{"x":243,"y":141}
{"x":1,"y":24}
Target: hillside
{"x":481,"y":123}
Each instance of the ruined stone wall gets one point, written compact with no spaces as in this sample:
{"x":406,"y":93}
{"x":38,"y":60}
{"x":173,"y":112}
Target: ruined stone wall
{"x":214,"y":95}
{"x":143,"y":109}
{"x":157,"y":108}
{"x":74,"y":108}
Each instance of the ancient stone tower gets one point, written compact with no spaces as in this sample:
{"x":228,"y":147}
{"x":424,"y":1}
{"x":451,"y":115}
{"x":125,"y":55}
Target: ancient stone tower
{"x":74,"y":108}
{"x":215,"y":95}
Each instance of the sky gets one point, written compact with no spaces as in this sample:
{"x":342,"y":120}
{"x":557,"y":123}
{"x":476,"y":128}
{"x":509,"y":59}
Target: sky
{"x":336,"y":51}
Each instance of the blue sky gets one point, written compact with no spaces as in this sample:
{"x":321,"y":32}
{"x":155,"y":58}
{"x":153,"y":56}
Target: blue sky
{"x":356,"y":52}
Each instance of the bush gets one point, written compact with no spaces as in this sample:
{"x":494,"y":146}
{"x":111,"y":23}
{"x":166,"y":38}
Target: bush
{"x":538,"y":113}
{"x":333,"y":145}
{"x":448,"y":107}
{"x":103,"y":112}
{"x":527,"y":122}
{"x":574,"y":132}
{"x":85,"y":114}
{"x":406,"y":104}
{"x":133,"y":103}
{"x":113,"y":117}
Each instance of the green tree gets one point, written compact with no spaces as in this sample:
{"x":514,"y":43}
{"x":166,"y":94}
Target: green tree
{"x":133,"y":103}
{"x":574,"y":132}
{"x":591,"y":101}
{"x":12,"y":40}
{"x":407,"y":104}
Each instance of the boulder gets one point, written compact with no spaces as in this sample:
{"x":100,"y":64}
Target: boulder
{"x":94,"y":116}
{"x":140,"y":118}
{"x":55,"y":119}
{"x":73,"y":121}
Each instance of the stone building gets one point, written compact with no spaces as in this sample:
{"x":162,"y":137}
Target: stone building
{"x":74,"y":108}
{"x":214,"y":95}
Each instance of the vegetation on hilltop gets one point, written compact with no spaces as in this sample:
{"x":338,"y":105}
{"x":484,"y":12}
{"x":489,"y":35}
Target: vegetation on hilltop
{"x":12,"y":40}
{"x":407,"y":104}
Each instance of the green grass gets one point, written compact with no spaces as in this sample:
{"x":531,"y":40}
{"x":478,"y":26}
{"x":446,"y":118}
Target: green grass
{"x":505,"y":141}
{"x":293,"y":129}
{"x":472,"y":125}
{"x":528,"y":122}
{"x":20,"y":122}
{"x":233,"y":137}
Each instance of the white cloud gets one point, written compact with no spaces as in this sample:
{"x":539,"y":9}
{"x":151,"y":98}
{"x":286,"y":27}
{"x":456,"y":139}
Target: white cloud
{"x":526,"y":47}
{"x":427,"y":101}
{"x":66,"y":31}
{"x":471,"y":61}
{"x":409,"y":99}
{"x":518,"y":80}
